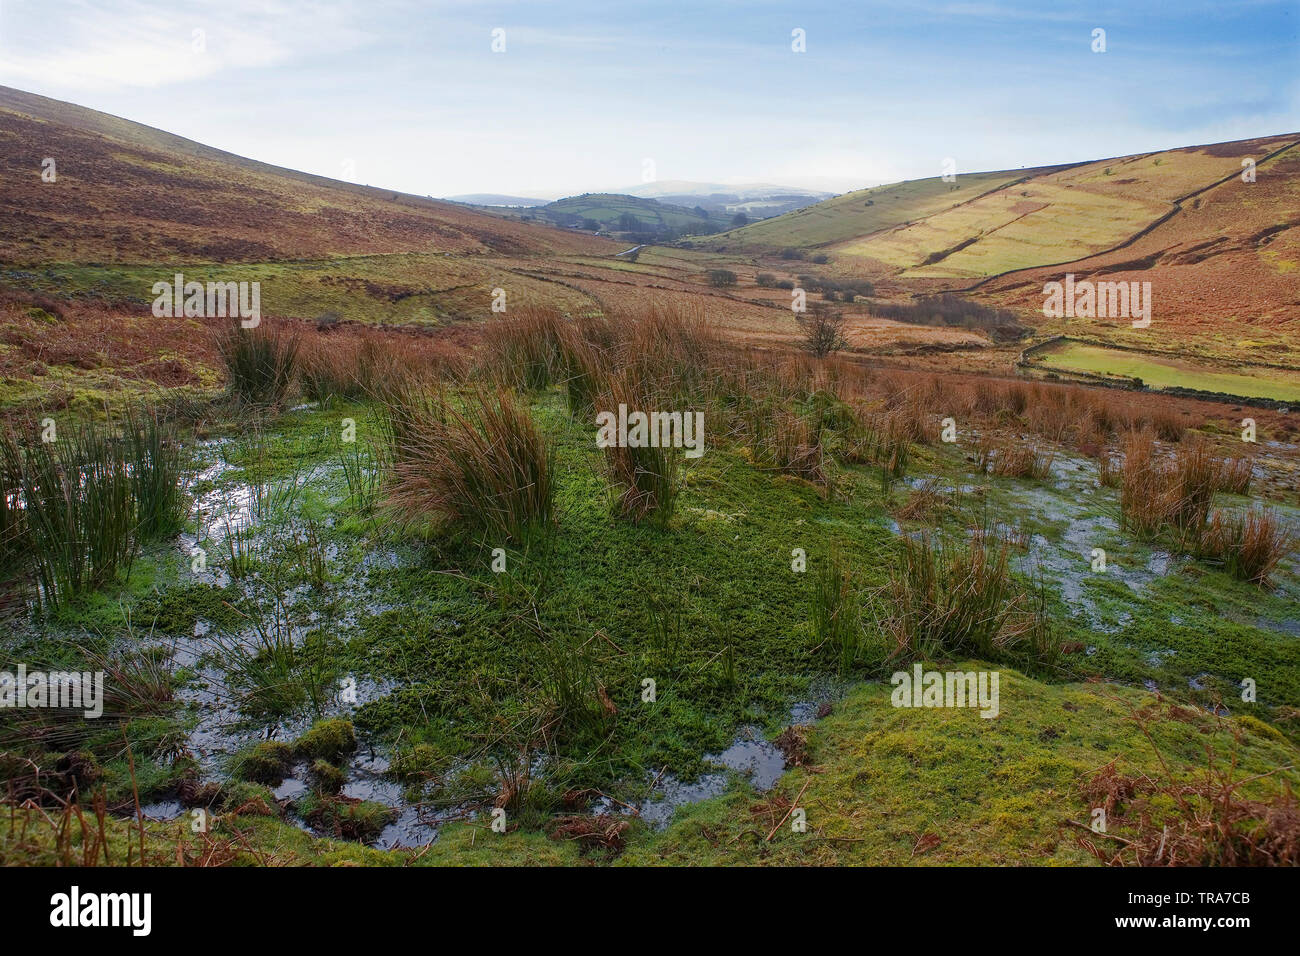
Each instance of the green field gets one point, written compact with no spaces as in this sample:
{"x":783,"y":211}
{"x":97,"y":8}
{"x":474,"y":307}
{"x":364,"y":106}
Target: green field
{"x":1167,"y":372}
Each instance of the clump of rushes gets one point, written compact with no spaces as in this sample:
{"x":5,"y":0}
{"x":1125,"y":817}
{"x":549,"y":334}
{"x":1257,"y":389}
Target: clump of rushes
{"x":525,"y":349}
{"x":1235,"y":474}
{"x":1189,"y":496}
{"x":80,"y":508}
{"x":13,"y":523}
{"x":1022,"y":460}
{"x":481,"y":464}
{"x":643,"y":479}
{"x":261,"y":362}
{"x":1175,"y":495}
{"x":836,"y":614}
{"x":157,"y":473}
{"x":1141,"y":486}
{"x":954,"y":600}
{"x":586,"y":365}
{"x":1251,"y":544}
{"x":884,"y":440}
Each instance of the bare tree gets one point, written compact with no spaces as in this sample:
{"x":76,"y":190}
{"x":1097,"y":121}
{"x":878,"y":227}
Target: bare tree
{"x":823,"y":329}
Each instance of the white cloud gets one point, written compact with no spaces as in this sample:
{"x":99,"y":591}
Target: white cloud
{"x":97,"y":45}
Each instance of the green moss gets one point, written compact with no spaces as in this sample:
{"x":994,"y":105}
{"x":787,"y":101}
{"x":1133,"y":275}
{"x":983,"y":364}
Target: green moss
{"x":330,"y":739}
{"x":265,"y":762}
{"x":360,"y":820}
{"x":993,"y":791}
{"x":327,"y":777}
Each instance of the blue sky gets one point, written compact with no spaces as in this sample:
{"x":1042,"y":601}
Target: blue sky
{"x":410,"y":95}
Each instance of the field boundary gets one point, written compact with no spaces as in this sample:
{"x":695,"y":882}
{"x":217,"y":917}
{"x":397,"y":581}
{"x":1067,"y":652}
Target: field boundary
{"x":1025,"y":363}
{"x":1177,"y":208}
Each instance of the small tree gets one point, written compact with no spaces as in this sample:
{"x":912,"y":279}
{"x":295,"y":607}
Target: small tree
{"x":740,"y":219}
{"x":721,"y":278}
{"x":765,"y":280}
{"x":823,"y":330}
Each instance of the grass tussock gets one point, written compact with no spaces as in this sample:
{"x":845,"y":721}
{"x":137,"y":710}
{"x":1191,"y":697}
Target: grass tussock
{"x":261,"y":362}
{"x":1250,"y":543}
{"x":479,"y":463}
{"x":80,"y":512}
{"x":643,"y":478}
{"x":948,"y":599}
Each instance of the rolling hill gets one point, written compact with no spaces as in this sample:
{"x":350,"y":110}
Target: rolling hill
{"x":125,"y":192}
{"x":611,"y":212}
{"x":986,"y":224}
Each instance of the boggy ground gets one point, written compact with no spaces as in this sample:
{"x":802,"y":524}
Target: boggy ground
{"x":325,"y":673}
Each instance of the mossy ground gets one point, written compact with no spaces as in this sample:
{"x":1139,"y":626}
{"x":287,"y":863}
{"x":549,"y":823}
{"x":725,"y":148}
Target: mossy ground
{"x":471,"y":662}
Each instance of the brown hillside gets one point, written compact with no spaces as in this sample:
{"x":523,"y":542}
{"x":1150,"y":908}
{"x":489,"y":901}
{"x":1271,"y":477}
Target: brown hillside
{"x":130,"y":193}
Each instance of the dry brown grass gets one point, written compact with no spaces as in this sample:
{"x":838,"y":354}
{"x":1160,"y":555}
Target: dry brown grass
{"x":1207,"y":820}
{"x":482,"y":464}
{"x":1251,"y":544}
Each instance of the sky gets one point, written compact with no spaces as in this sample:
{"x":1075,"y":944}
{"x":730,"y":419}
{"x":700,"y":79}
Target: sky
{"x":593,"y":96}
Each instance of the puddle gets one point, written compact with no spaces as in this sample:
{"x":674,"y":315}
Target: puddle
{"x":750,"y":756}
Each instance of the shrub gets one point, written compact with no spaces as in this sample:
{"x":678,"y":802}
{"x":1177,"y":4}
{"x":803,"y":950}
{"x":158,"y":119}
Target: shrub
{"x":823,"y":330}
{"x":765,"y":280}
{"x":721,"y":278}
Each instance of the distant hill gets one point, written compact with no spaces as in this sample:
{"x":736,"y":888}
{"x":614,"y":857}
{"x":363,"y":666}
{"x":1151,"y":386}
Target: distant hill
{"x":755,"y":200}
{"x":126,"y":192}
{"x":628,"y":216}
{"x":741,"y":192}
{"x":496,"y":199}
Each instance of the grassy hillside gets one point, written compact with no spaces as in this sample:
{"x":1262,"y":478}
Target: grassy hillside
{"x":1222,"y":271}
{"x":856,"y":214}
{"x":990,"y":223}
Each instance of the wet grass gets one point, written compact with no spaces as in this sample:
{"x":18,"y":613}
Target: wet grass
{"x":549,"y":654}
